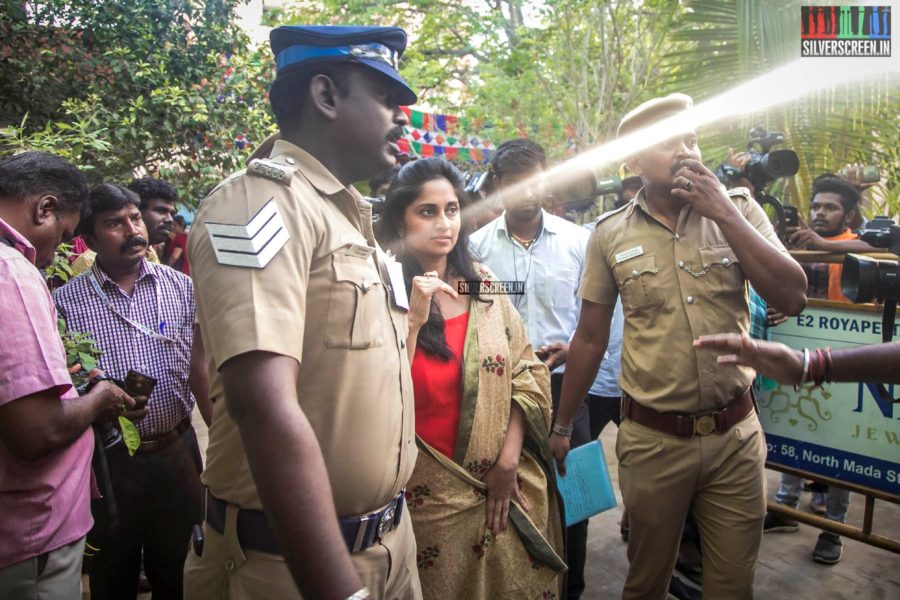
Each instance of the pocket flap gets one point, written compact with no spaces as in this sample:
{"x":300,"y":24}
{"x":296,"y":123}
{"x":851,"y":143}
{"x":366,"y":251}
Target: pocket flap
{"x":354,"y":269}
{"x":634,"y":268}
{"x":722,"y":255}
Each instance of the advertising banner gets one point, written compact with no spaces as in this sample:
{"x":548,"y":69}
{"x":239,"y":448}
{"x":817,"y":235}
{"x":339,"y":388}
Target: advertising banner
{"x":841,"y":430}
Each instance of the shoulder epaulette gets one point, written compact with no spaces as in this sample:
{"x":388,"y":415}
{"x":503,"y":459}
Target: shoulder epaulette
{"x":740,"y":191}
{"x":610,"y":213}
{"x":271,"y":169}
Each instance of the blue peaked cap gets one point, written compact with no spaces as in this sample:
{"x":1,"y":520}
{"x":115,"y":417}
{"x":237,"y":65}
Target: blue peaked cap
{"x":376,"y":47}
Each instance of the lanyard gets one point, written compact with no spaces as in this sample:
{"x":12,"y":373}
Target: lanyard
{"x":157,"y":335}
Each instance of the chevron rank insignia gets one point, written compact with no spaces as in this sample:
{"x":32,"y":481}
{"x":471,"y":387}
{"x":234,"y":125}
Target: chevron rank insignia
{"x":252,"y":245}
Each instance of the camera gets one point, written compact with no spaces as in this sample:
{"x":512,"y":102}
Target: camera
{"x":767,"y":165}
{"x":864,"y":278}
{"x":764,"y":167}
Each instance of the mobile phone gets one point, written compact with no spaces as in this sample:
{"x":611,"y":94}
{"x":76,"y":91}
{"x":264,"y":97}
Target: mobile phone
{"x":791,"y":216}
{"x":138,"y":384}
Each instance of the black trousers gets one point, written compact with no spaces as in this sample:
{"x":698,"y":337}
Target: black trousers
{"x":576,"y":534}
{"x":603,"y":409}
{"x":159,"y":498}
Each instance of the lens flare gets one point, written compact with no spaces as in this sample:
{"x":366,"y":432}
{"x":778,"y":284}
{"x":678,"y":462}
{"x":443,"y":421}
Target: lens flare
{"x":784,"y":84}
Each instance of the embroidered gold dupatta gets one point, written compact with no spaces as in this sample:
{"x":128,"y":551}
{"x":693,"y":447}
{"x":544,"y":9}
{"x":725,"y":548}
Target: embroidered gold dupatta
{"x":457,"y":556}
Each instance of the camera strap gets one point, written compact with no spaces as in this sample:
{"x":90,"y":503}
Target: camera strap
{"x":889,"y":314}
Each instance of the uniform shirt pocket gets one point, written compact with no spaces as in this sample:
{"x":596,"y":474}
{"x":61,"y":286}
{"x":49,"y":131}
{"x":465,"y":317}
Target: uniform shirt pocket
{"x":723,"y":271}
{"x":639,"y":284}
{"x":354,"y":304}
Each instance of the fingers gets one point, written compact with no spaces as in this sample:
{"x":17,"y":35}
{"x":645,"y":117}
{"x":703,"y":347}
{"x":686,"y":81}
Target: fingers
{"x":723,"y":342}
{"x":94,"y":373}
{"x":74,"y":368}
{"x":695,"y":165}
{"x":135,"y":415}
{"x":503,"y":521}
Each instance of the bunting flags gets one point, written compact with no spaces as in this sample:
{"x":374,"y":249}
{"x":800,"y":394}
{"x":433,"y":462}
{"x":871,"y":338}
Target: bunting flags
{"x":444,"y":135}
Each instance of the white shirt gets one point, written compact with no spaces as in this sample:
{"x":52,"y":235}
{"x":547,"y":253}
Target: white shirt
{"x":551,"y":268}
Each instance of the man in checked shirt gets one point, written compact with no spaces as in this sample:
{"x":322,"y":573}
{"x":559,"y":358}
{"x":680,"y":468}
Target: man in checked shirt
{"x":141,"y":315}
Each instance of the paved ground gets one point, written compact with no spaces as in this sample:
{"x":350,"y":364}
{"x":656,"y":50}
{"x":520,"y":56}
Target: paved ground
{"x":785,"y":570}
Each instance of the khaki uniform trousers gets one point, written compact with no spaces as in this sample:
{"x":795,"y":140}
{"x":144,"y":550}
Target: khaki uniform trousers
{"x":227,"y":572}
{"x":721,"y":477}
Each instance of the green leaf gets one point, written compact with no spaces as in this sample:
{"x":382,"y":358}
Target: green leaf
{"x":130,"y":435}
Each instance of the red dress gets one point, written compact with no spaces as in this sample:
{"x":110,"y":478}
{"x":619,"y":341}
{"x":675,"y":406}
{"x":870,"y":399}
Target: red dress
{"x":438,"y":389}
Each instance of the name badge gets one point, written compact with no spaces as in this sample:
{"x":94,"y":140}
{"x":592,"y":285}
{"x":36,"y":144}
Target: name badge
{"x":628,"y":254}
{"x":398,"y":286}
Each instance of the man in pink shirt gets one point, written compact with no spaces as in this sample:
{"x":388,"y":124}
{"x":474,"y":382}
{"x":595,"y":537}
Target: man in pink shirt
{"x":46,"y":441}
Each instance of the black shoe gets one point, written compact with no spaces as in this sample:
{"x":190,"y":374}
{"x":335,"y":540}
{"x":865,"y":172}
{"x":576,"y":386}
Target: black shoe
{"x":678,"y":590}
{"x":775,"y":523}
{"x":828,"y":549}
{"x":691,"y":572}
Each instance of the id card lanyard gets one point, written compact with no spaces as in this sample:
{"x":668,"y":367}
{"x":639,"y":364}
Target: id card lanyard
{"x":157,"y":335}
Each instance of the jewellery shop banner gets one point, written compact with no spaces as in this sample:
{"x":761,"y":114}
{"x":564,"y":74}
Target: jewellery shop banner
{"x":841,"y":430}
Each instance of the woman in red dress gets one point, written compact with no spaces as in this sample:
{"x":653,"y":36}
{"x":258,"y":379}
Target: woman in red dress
{"x":484,"y":508}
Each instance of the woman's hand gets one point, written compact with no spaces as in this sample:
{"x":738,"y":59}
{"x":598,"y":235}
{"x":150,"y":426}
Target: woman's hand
{"x":502,"y":486}
{"x":424,"y":287}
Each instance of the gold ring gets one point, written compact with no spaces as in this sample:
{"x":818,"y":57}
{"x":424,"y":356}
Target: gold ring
{"x":431,"y":274}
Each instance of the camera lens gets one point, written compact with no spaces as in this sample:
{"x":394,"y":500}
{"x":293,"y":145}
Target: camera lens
{"x":782,"y":163}
{"x":864,"y":279}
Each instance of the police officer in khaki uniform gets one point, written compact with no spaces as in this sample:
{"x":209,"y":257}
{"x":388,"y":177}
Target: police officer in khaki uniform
{"x":312,"y":437}
{"x":680,"y":255}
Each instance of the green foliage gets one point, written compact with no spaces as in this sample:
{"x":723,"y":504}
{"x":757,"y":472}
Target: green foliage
{"x":80,"y":349}
{"x":727,"y":43}
{"x":59,"y":271}
{"x":166,"y":88}
{"x":130,"y":435}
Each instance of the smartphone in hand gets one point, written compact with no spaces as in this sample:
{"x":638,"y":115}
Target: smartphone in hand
{"x":138,"y":384}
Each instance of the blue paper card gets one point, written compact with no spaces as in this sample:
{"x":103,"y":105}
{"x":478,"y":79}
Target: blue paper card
{"x":586,"y":489}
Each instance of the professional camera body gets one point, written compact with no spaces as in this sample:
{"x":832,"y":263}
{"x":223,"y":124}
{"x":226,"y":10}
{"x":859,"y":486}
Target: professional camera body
{"x":764,"y":167}
{"x":864,"y":278}
{"x":767,"y":165}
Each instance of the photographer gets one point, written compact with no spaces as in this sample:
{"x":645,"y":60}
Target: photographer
{"x":834,"y":206}
{"x":45,"y":437}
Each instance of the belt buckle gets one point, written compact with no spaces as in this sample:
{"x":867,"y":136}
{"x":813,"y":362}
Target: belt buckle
{"x":704,"y":425}
{"x":387,"y":520}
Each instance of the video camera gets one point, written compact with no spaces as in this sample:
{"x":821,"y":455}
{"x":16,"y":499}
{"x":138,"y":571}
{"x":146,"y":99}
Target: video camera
{"x":764,"y":167}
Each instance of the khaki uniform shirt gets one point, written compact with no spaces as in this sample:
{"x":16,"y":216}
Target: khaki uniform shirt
{"x":675,"y":287}
{"x":324,"y":299}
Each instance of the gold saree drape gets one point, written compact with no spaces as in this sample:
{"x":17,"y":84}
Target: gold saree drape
{"x":457,"y":556}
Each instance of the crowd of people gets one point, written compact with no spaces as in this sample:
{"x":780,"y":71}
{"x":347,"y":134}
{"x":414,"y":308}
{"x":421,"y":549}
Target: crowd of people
{"x":382,"y":423}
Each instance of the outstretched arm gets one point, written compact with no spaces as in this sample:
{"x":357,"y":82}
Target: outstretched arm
{"x":875,"y":363}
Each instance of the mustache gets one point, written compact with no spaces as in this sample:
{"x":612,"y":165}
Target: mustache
{"x":676,"y":166}
{"x":395,"y":134}
{"x":135,"y":241}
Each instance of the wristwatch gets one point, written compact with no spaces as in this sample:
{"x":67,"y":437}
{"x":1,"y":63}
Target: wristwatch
{"x":563,"y":431}
{"x":86,"y":387}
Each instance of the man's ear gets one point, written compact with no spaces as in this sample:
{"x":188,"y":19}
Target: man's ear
{"x":324,"y":94}
{"x":45,"y":208}
{"x":848,"y":217}
{"x":495,"y":182}
{"x":634,"y":163}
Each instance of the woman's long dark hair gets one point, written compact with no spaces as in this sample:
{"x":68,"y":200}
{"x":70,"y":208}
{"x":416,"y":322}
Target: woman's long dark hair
{"x":405,"y":189}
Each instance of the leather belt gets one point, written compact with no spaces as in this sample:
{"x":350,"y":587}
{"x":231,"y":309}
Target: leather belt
{"x":159,"y":442}
{"x":683,"y":425}
{"x":254,"y":533}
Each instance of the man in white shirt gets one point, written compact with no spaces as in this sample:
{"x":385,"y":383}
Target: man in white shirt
{"x":545,"y":254}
